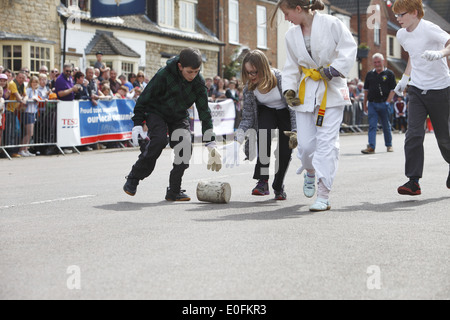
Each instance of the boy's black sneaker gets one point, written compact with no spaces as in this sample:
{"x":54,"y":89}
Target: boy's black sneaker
{"x":261,"y":189}
{"x":130,"y":186}
{"x":280,"y":195}
{"x":180,"y":196}
{"x":411,"y":188}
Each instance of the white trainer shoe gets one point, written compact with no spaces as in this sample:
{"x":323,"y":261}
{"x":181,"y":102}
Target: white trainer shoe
{"x":320,"y":205}
{"x":309,"y":187}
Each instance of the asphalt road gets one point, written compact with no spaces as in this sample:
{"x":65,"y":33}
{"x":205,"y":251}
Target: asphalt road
{"x":68,"y":231}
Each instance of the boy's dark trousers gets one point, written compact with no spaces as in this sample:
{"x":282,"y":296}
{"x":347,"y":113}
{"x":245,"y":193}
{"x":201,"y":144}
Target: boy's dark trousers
{"x":436,"y":104}
{"x":268,"y":120}
{"x":151,"y":150}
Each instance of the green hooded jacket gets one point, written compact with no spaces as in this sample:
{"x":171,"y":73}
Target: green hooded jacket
{"x":169,"y":96}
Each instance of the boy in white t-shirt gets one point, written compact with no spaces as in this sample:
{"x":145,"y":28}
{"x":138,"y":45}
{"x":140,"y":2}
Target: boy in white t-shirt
{"x":428,"y":47}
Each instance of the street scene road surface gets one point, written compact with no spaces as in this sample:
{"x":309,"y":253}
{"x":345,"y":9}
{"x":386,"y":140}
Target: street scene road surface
{"x":68,"y":231}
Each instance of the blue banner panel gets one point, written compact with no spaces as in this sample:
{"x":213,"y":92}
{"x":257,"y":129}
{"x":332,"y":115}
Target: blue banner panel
{"x":116,"y":8}
{"x":108,"y":121}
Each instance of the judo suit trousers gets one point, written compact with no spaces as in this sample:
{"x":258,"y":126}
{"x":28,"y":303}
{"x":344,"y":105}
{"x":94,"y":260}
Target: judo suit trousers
{"x":318,"y":147}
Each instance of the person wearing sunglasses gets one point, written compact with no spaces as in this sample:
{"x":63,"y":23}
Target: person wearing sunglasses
{"x":428,"y":47}
{"x":64,"y":84}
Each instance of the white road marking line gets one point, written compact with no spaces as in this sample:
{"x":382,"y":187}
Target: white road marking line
{"x":47,"y":201}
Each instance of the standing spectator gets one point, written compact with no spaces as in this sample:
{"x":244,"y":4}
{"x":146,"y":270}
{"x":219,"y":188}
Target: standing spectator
{"x":216,"y":82}
{"x":122,"y":80}
{"x":137,"y":93}
{"x":400,"y":108}
{"x":1,"y":69}
{"x":209,"y":88}
{"x":131,"y":79}
{"x":140,"y":81}
{"x":100,"y":65}
{"x":27,"y":74}
{"x":233,"y":94}
{"x":29,"y":116}
{"x":379,"y":86}
{"x":4,"y":85}
{"x":43,"y":90}
{"x":54,"y":74}
{"x":106,"y":92}
{"x":64,"y":85}
{"x":113,"y":83}
{"x":428,"y":47}
{"x":17,"y":89}
{"x":82,"y":93}
{"x":9,"y":74}
{"x":92,"y":85}
{"x":220,"y":93}
{"x":121,"y":93}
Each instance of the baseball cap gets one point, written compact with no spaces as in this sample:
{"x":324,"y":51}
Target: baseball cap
{"x":99,"y":52}
{"x":3,"y":76}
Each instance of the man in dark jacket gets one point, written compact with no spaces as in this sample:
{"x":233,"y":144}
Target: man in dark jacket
{"x":163,"y":107}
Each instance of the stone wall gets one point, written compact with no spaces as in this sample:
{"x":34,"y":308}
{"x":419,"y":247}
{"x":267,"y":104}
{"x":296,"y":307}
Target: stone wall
{"x":32,"y":18}
{"x":155,"y":60}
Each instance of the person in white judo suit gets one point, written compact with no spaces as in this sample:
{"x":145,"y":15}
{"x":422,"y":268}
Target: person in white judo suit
{"x":321,"y":52}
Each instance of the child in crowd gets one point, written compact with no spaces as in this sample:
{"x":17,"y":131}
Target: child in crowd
{"x":400,"y":108}
{"x":29,"y":117}
{"x":428,"y":47}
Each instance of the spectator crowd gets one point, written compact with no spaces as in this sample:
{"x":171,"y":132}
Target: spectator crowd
{"x":100,"y":82}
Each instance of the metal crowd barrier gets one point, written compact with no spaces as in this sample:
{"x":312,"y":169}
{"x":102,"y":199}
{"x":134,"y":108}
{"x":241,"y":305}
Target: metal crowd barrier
{"x":21,"y":128}
{"x":355,"y":120}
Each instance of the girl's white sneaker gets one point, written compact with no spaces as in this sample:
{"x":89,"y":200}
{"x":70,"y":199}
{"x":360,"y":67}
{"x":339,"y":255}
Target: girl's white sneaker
{"x":320,"y":205}
{"x":309,"y":187}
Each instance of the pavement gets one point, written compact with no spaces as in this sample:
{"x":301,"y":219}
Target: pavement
{"x":68,"y":231}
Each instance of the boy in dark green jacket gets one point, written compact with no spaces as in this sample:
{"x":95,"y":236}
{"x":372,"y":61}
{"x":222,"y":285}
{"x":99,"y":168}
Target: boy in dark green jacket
{"x":163,"y":107}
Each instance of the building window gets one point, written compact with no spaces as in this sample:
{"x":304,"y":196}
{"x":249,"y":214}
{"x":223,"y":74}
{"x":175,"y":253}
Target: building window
{"x":82,"y":4}
{"x":187,"y":15}
{"x":18,"y":55}
{"x":127,"y":68}
{"x":261,"y":19}
{"x":165,"y":12}
{"x":391,"y":47}
{"x":12,"y":57}
{"x":39,"y":56}
{"x":233,"y":22}
{"x":376,"y":34}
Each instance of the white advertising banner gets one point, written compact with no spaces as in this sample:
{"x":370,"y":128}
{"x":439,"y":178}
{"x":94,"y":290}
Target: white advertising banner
{"x":223,"y":117}
{"x":68,"y":125}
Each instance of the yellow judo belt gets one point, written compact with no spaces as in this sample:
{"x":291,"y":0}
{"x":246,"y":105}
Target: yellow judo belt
{"x":315,"y":75}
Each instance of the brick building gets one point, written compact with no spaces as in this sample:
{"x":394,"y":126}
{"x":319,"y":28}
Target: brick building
{"x":242,"y":25}
{"x":33,"y":33}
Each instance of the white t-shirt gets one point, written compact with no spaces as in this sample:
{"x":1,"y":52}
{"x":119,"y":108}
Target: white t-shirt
{"x":272,"y":99}
{"x":426,"y":75}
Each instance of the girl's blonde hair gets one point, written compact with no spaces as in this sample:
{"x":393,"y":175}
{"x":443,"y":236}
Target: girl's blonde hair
{"x":306,"y":5}
{"x":32,"y":79}
{"x":402,"y":6}
{"x":260,"y":62}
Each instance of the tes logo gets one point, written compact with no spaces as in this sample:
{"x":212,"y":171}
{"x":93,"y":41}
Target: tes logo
{"x":70,"y":123}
